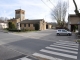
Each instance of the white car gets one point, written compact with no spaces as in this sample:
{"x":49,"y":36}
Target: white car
{"x":63,"y":32}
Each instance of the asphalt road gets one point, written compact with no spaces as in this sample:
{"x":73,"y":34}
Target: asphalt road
{"x":27,"y":44}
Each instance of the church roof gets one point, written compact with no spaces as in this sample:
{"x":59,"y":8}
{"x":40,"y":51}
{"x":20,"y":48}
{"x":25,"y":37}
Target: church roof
{"x":33,"y":21}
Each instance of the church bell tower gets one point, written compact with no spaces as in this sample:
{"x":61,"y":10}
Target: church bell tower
{"x":19,"y":13}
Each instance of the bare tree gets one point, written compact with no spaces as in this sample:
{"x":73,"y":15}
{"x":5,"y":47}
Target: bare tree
{"x":77,"y":13}
{"x":3,"y":19}
{"x":59,"y":12}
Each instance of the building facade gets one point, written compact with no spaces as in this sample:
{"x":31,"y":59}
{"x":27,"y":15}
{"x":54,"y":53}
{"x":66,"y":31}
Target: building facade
{"x":73,"y":22}
{"x":37,"y":24}
{"x":3,"y":24}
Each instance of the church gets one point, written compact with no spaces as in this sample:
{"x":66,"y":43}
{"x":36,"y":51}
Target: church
{"x":21,"y":23}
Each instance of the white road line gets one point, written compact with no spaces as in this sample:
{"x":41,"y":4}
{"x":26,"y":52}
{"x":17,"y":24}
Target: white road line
{"x":64,"y":47}
{"x":24,"y":58}
{"x":45,"y":56}
{"x":67,"y":43}
{"x":59,"y":54}
{"x":63,"y":50}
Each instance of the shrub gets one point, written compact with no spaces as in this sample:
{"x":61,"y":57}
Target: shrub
{"x":11,"y":25}
{"x":14,"y":30}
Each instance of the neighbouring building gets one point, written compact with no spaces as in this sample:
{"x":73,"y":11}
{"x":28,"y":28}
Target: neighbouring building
{"x":21,"y":23}
{"x":73,"y":22}
{"x":3,"y":24}
{"x":50,"y":25}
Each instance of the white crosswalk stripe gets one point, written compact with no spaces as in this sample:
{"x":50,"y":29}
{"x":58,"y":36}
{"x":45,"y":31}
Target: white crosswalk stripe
{"x":57,"y":53}
{"x":24,"y":58}
{"x":66,"y":45}
{"x":45,"y":56}
{"x":60,"y":50}
{"x":63,"y":50}
{"x":67,"y":41}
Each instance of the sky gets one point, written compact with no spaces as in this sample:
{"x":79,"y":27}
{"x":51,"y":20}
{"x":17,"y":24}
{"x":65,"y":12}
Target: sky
{"x":72,"y":7}
{"x":34,"y":9}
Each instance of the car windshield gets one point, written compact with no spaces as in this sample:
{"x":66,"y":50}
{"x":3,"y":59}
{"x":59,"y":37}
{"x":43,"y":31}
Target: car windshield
{"x":59,"y":30}
{"x":64,"y":31}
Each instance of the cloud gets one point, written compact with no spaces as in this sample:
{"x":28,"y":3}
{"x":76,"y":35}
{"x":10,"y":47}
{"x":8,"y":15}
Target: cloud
{"x":33,"y":8}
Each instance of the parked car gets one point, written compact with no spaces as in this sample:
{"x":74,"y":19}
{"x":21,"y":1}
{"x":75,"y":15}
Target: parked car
{"x":63,"y":32}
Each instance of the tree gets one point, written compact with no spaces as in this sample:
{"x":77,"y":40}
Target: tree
{"x":76,"y":9}
{"x":59,"y":13}
{"x":4,"y":19}
{"x":77,"y":13}
{"x":11,"y":25}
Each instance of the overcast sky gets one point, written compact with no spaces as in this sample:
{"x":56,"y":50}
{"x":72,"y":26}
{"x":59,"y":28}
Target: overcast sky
{"x":35,"y":9}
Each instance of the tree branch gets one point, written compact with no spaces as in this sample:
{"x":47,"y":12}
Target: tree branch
{"x":76,"y":9}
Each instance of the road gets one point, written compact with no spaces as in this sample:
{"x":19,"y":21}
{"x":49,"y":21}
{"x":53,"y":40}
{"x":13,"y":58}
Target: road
{"x":37,"y":44}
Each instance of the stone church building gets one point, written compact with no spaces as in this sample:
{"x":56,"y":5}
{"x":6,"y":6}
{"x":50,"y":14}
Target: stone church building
{"x":21,"y":23}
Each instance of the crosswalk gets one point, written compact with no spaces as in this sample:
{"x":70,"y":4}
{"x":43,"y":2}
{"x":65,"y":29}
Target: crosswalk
{"x":60,"y":50}
{"x":24,"y":58}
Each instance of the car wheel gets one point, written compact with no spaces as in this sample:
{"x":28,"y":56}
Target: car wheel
{"x":69,"y":34}
{"x":58,"y":34}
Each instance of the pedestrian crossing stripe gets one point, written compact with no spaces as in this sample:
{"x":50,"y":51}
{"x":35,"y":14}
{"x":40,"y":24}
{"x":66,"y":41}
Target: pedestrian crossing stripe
{"x":67,"y":43}
{"x":46,"y":56}
{"x":64,"y":47}
{"x":59,"y":54}
{"x":60,"y":49}
{"x":63,"y":50}
{"x":24,"y":58}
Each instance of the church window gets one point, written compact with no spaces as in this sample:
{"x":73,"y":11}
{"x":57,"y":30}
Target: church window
{"x":24,"y":25}
{"x":28,"y":25}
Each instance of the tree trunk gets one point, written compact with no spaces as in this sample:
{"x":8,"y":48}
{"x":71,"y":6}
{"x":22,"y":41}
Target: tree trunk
{"x":77,"y":13}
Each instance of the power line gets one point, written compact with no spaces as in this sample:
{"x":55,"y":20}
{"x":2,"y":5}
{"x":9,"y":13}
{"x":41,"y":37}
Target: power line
{"x":46,"y":4}
{"x":48,"y":7}
{"x":51,"y":3}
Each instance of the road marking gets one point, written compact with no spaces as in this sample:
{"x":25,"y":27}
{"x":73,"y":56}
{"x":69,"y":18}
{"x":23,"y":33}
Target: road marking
{"x":45,"y":56}
{"x":67,"y":43}
{"x":64,"y":47}
{"x":63,"y":50}
{"x":24,"y":58}
{"x":59,"y":54}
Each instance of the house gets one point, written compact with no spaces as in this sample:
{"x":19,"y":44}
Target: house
{"x":73,"y":22}
{"x":21,"y":23}
{"x":50,"y":25}
{"x":3,"y":24}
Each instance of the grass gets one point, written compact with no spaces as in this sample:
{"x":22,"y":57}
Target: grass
{"x":78,"y":41}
